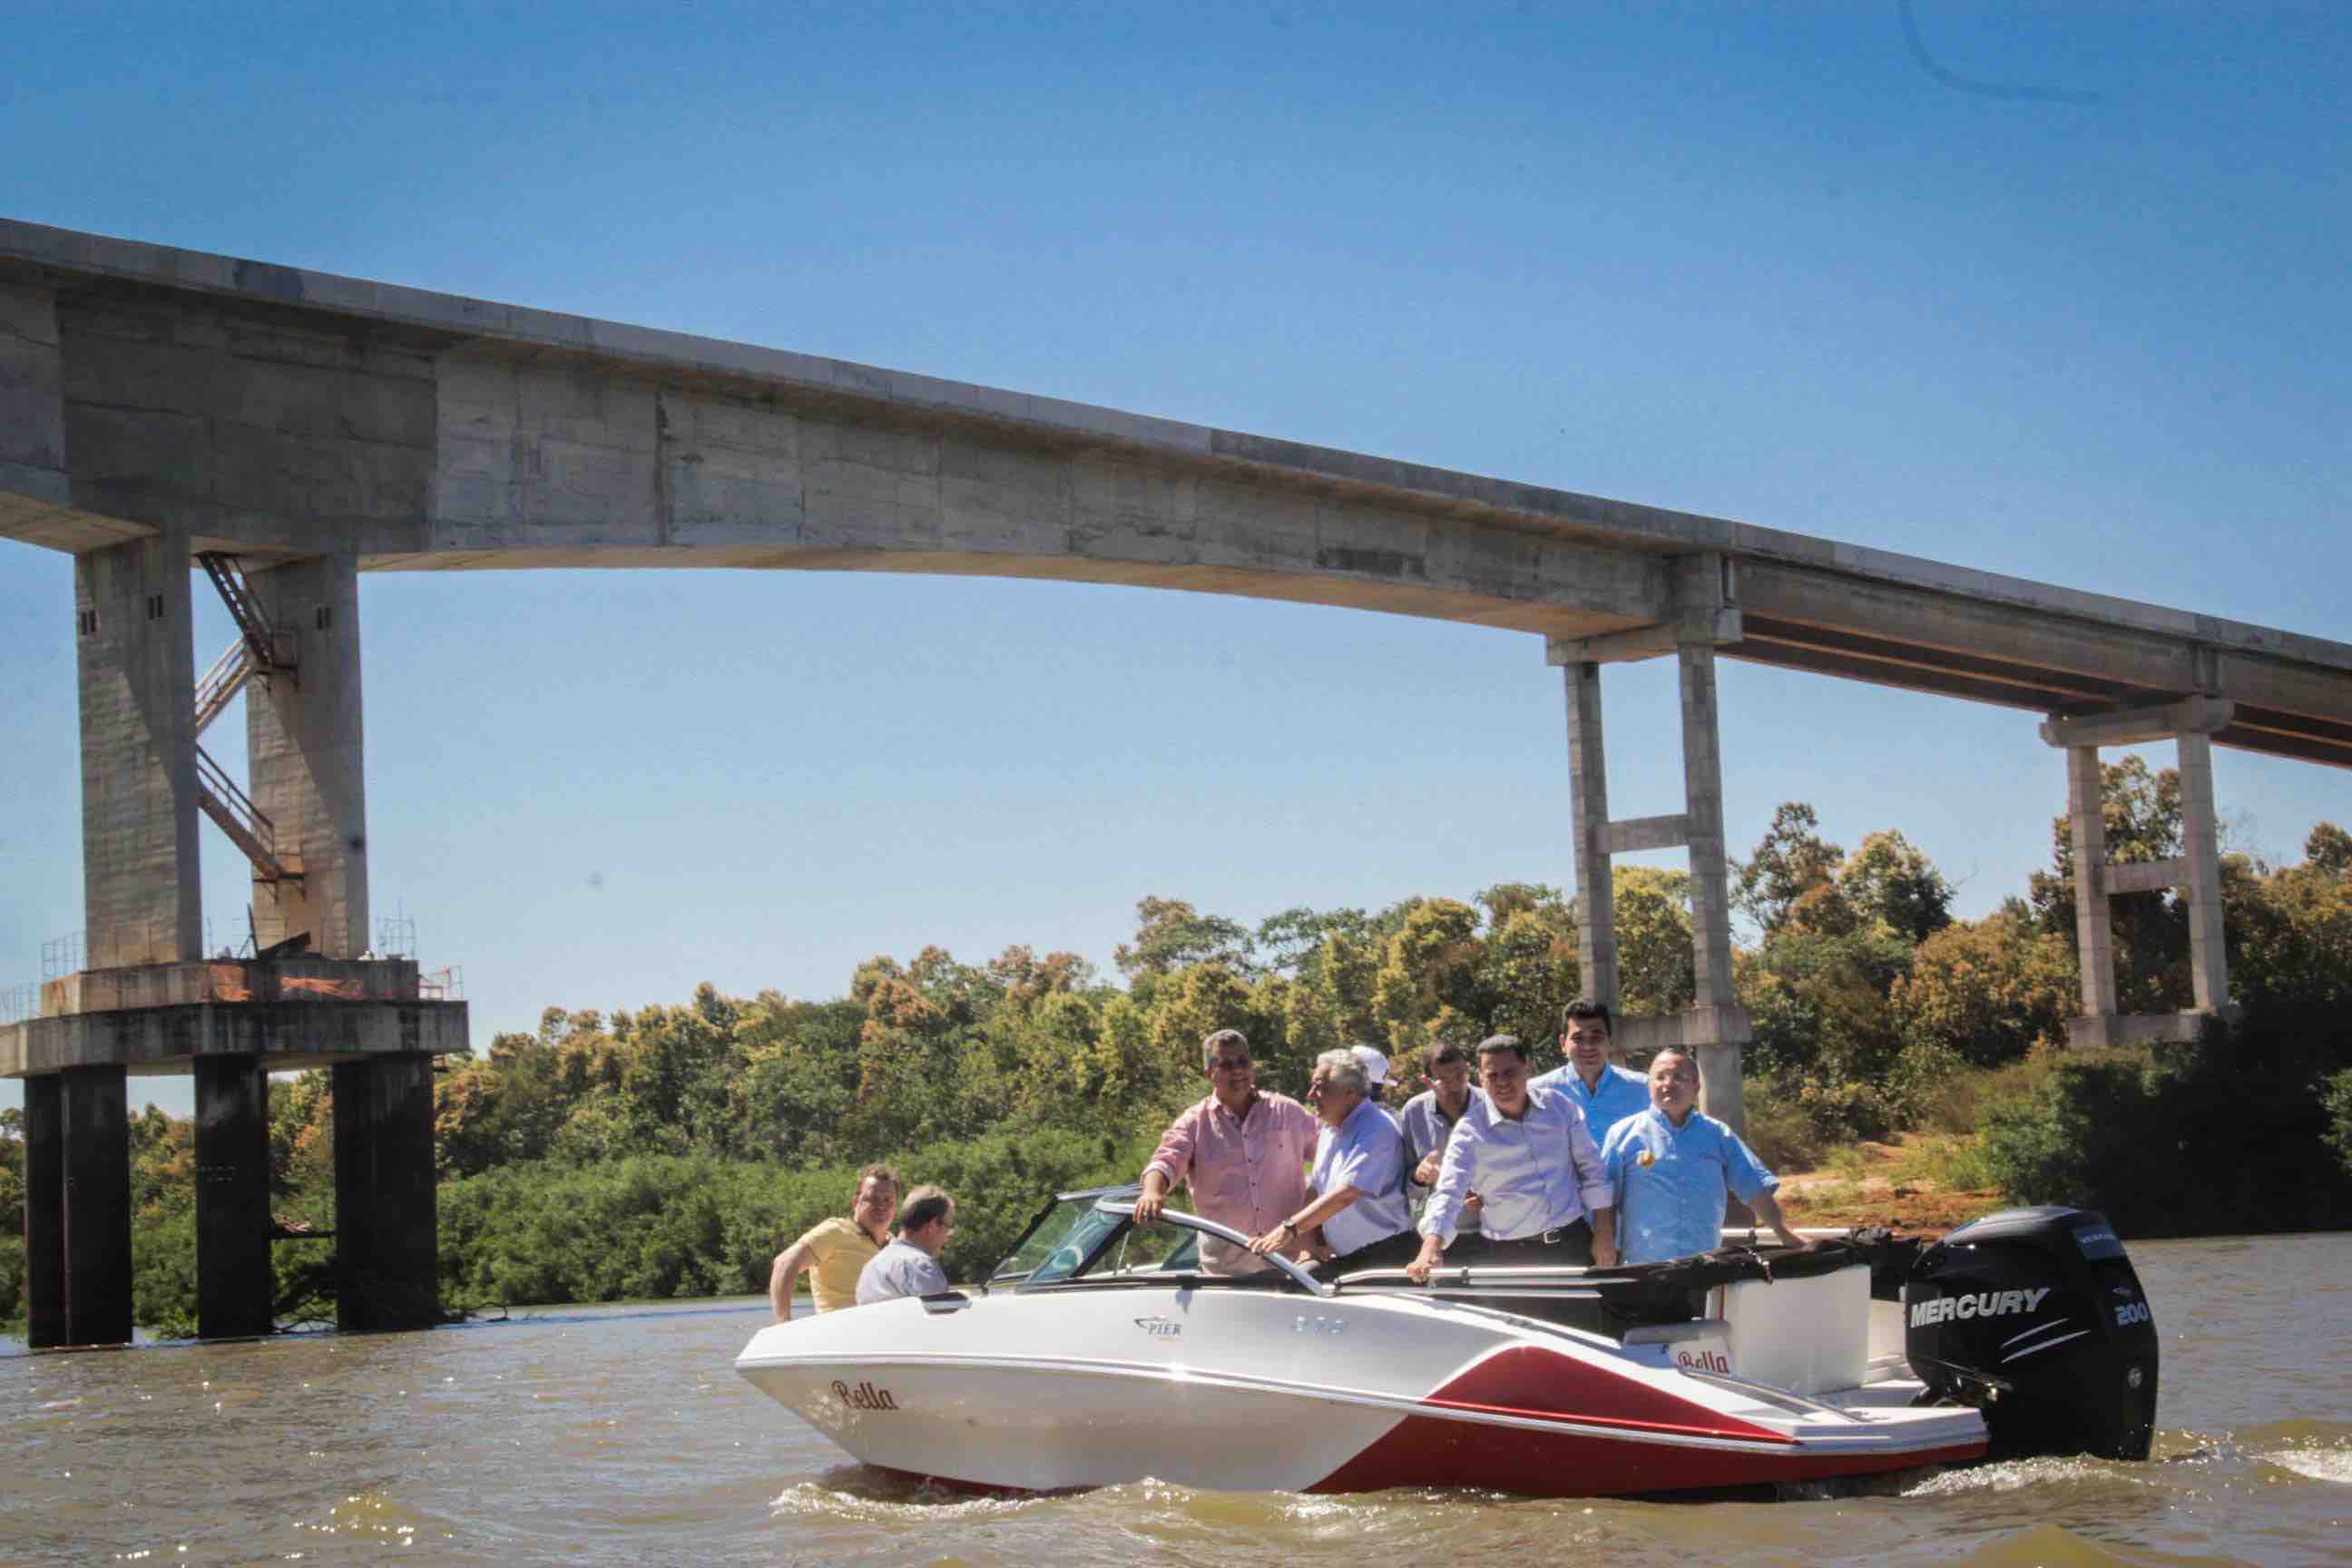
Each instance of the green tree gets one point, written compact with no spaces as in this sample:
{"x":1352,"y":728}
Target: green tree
{"x":1791,"y":860}
{"x":2328,"y":849}
{"x":1892,"y":884}
{"x":1170,"y":935}
{"x":1989,"y":991}
{"x":1653,"y":939}
{"x":1430,"y":969}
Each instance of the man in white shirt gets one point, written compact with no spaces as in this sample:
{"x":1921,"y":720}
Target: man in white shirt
{"x":909,"y":1265}
{"x":1358,"y":1180}
{"x":1546,"y":1199}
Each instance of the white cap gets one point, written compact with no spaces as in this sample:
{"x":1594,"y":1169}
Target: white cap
{"x":1376,"y":1066}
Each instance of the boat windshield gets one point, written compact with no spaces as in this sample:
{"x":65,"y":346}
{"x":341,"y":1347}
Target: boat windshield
{"x":1093,"y":1235}
{"x":1064,"y":1238}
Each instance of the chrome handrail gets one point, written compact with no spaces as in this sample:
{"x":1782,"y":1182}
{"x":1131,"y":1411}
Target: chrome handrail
{"x":1183,"y":1221}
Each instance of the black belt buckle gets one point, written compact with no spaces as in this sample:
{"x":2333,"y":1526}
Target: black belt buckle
{"x":1551,"y":1238}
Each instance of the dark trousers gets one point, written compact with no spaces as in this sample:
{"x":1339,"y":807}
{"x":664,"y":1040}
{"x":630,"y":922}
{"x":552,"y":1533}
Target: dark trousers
{"x":1389,"y":1252}
{"x":1571,"y":1244}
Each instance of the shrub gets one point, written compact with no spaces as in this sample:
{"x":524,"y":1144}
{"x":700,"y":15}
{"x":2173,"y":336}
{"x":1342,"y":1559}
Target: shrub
{"x":2184,"y":1139}
{"x":1777,"y":1129}
{"x":12,"y":1285}
{"x":2337,"y":1101}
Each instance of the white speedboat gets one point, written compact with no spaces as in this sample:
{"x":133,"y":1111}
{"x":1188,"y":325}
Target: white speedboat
{"x":1100,"y":1352}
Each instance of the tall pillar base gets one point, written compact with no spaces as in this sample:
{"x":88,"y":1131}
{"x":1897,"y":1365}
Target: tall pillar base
{"x":77,"y":1208}
{"x":385,"y":1224}
{"x":236,"y":1286}
{"x":45,"y":1212}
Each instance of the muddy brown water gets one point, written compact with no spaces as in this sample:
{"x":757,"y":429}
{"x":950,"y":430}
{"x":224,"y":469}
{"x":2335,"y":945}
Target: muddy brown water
{"x":621,"y":1436}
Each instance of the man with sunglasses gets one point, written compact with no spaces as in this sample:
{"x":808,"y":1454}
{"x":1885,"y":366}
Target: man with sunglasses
{"x":1243,"y":1154}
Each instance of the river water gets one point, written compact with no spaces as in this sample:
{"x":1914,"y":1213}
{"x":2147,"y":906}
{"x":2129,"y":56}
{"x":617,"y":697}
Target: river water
{"x":623,"y":1436}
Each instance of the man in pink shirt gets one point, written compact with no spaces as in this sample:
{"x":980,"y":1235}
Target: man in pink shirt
{"x":1244,"y":1153}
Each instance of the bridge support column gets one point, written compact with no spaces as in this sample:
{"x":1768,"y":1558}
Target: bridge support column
{"x":303,"y":745}
{"x":1588,"y":801}
{"x":77,"y":1208}
{"x":1716,"y":1025}
{"x":384,"y":1210}
{"x":236,"y":1288}
{"x":2209,"y":962}
{"x":141,"y":898}
{"x":2197,"y":870}
{"x":45,"y":1212}
{"x":2086,"y":823}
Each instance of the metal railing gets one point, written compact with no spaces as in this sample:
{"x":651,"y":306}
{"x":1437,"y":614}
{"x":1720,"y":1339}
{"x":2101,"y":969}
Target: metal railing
{"x":222,"y":683}
{"x":233,"y":813}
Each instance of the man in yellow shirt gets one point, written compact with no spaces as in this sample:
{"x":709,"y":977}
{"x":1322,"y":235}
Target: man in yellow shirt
{"x":836,"y":1250}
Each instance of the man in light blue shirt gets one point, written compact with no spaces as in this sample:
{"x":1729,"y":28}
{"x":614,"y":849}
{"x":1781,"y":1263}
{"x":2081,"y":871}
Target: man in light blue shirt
{"x":1605,"y":1092}
{"x":1358,"y":1178}
{"x":1670,"y":1167}
{"x":1526,"y":1153}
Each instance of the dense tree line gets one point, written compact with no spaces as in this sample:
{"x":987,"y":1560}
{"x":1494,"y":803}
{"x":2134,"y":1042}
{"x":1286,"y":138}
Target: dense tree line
{"x":671,"y":1150}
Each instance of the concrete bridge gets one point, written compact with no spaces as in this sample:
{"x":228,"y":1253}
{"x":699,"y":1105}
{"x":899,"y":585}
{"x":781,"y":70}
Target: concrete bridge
{"x":163,"y":410}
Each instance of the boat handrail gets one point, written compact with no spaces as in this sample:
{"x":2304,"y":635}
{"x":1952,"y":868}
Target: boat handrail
{"x":1184,"y":1221}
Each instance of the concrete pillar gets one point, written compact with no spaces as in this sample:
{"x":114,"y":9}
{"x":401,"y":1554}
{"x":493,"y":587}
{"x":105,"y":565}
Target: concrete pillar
{"x":45,"y":1211}
{"x":1716,"y":1025}
{"x":236,"y":1286}
{"x":2208,"y":962}
{"x":142,"y":902}
{"x":2086,"y":817}
{"x":77,"y":1208}
{"x":385,"y":1237}
{"x":303,"y":746}
{"x":1587,"y":806}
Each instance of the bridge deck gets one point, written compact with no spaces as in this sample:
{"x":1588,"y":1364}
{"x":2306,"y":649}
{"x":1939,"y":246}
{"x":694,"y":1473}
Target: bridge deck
{"x":269,"y":411}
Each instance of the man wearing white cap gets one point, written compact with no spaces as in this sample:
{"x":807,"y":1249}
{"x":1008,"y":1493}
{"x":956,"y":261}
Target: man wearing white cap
{"x":1358,"y":1182}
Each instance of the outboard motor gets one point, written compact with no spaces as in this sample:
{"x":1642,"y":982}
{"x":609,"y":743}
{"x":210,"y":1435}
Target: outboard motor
{"x":2034,"y":1316}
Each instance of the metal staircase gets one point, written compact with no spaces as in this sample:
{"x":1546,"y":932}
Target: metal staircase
{"x":262,"y":650}
{"x":222,"y":683}
{"x":233,"y":813}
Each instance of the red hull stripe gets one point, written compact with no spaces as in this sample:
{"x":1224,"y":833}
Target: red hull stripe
{"x":1429,"y":1451}
{"x":1533,"y":1382}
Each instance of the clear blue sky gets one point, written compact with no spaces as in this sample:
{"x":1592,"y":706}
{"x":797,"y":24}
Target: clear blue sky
{"x":2064,"y":297}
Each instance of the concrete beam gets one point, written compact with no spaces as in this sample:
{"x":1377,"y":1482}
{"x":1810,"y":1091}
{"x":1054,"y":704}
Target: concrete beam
{"x":1634,"y":834}
{"x":265,"y":409}
{"x":2102,"y":1030}
{"x":289,"y":1036}
{"x":1657,"y":641}
{"x":1648,"y":1034}
{"x":32,"y":398}
{"x":2139,"y":726}
{"x":2146,"y":877}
